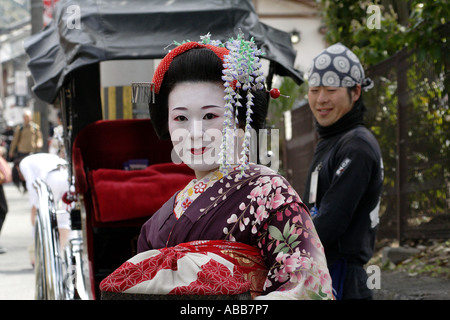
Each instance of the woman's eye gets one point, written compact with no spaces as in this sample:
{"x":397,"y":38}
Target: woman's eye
{"x":180,"y":118}
{"x":209,"y":116}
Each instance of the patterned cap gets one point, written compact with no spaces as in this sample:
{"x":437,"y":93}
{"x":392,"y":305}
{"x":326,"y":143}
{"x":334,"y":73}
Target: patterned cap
{"x":337,"y":66}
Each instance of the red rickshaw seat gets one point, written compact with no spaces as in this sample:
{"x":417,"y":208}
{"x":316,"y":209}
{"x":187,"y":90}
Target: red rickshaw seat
{"x":99,"y":153}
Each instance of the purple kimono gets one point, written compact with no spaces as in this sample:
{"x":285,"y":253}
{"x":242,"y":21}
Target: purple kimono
{"x":260,"y":209}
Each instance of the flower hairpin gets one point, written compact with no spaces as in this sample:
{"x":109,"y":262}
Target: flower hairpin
{"x":242,"y":72}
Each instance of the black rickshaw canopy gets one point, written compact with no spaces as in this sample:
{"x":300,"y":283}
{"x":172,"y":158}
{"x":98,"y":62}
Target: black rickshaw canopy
{"x":85,"y":32}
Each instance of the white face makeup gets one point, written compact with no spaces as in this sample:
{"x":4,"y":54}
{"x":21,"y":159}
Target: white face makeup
{"x":196,"y":119}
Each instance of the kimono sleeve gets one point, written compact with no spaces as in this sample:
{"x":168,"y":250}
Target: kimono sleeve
{"x":155,"y":232}
{"x":293,"y":252}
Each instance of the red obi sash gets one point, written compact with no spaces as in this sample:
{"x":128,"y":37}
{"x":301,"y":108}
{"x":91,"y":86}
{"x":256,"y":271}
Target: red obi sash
{"x":214,"y":267}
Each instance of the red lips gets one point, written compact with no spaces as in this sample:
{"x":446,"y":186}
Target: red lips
{"x":197,"y":152}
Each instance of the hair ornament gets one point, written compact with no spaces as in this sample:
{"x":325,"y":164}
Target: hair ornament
{"x":275,"y":93}
{"x":242,"y":74}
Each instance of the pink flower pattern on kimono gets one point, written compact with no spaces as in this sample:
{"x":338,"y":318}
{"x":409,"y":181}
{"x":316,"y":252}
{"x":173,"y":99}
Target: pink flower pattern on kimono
{"x":257,"y":208}
{"x":284,"y":232}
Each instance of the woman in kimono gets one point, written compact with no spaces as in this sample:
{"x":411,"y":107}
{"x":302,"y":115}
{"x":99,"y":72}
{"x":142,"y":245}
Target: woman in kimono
{"x":241,"y":215}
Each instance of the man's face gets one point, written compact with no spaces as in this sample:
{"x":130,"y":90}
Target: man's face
{"x":329,"y":104}
{"x":26,"y":118}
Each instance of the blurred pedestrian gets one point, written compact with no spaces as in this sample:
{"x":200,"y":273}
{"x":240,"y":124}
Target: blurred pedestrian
{"x":27,"y":140}
{"x":346,"y":175}
{"x":53,"y":171}
{"x":57,"y":142}
{"x":8,"y":136}
{"x":5,"y":177}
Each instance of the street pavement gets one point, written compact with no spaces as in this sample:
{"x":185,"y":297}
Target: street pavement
{"x":16,"y":271}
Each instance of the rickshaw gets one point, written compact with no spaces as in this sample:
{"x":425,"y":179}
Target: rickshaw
{"x":107,"y":203}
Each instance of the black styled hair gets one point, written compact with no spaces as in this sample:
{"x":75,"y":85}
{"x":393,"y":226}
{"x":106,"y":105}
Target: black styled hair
{"x":200,"y":65}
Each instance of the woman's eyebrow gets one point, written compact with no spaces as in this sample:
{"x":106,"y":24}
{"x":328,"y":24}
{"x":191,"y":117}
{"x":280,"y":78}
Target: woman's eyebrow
{"x":204,"y":107}
{"x":211,"y":106}
{"x":178,"y":108}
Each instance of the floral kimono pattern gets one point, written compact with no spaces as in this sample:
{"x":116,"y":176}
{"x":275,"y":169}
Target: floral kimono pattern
{"x":260,"y":209}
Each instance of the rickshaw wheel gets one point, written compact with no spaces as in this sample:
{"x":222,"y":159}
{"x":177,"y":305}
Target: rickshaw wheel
{"x":40,"y":287}
{"x":48,"y":269}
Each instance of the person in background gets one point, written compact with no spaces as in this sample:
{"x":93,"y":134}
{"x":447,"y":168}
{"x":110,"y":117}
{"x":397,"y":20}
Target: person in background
{"x":53,"y":171}
{"x":5,"y":177}
{"x":8,"y":136}
{"x":27,"y":138}
{"x":345,"y":178}
{"x":57,"y":141}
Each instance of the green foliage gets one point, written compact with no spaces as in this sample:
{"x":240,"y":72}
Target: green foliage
{"x":422,"y":27}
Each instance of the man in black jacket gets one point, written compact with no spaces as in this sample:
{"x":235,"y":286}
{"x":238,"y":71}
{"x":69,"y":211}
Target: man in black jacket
{"x":346,"y":175}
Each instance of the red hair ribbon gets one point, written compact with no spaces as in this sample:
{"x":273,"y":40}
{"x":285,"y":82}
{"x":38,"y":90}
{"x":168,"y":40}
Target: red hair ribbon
{"x":167,"y":60}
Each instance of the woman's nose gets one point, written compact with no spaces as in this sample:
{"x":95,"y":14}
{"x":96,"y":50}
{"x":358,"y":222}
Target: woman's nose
{"x":196,"y":130}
